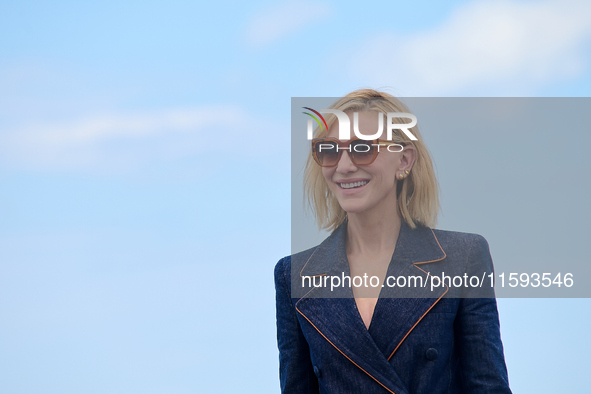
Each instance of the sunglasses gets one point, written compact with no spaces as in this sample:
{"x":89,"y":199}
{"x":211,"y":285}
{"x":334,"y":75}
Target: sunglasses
{"x":327,"y":151}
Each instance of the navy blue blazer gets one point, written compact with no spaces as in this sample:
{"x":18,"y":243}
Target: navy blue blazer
{"x":437,"y":341}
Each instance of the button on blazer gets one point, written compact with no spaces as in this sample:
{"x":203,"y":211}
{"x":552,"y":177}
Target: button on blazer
{"x":437,"y":340}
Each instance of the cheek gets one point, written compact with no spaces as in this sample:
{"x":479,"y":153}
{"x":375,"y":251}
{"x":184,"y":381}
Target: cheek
{"x":327,"y":173}
{"x":387,"y":177}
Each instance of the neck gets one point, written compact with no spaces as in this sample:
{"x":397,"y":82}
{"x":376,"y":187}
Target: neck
{"x":373,"y":233}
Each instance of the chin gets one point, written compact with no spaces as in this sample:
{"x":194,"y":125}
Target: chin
{"x":352,"y":208}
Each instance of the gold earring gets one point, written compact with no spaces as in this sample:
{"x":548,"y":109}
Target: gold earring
{"x":401,"y":176}
{"x":406,"y":172}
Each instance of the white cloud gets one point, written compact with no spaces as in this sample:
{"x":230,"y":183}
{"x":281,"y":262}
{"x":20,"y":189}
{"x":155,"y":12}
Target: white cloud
{"x":485,"y":46}
{"x":122,"y":140}
{"x":280,"y":20}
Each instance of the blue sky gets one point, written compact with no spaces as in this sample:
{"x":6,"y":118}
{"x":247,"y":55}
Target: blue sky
{"x":139,"y":225}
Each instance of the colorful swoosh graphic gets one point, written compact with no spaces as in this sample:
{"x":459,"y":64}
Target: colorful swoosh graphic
{"x":315,"y":118}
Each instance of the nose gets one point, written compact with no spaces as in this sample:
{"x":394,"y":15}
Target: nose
{"x":345,"y":164}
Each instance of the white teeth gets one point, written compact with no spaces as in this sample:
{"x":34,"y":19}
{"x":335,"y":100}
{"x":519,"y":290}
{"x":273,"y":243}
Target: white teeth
{"x":353,"y":184}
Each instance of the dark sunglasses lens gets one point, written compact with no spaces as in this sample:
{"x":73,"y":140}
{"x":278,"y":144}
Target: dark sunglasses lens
{"x":362,"y":152}
{"x":326,"y":153}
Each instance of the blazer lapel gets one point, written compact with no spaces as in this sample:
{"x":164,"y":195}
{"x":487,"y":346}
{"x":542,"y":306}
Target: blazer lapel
{"x":333,"y":312}
{"x":400,"y":309}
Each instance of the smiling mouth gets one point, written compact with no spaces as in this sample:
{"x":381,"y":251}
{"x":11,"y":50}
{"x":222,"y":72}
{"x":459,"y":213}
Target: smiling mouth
{"x":353,"y":185}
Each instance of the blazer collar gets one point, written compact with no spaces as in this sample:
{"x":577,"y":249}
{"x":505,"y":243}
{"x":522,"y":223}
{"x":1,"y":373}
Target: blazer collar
{"x":416,"y":246}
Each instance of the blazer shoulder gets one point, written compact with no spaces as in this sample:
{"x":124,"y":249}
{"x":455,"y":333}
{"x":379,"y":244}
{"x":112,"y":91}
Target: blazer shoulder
{"x":467,"y":255}
{"x":298,"y":260}
{"x":464,"y":241}
{"x":466,"y":250}
{"x":283,"y":268}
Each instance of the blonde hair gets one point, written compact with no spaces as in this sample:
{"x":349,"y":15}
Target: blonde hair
{"x":417,"y":195}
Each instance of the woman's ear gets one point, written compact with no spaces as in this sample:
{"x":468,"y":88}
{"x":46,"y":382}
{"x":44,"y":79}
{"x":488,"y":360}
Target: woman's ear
{"x":409,"y":155}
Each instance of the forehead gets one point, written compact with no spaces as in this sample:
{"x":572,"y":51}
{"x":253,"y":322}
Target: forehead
{"x":368,"y":122}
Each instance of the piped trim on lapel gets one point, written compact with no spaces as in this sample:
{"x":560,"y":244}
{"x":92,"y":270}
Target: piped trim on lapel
{"x":340,"y":351}
{"x":440,"y":248}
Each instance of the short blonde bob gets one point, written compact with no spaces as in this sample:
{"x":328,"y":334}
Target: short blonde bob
{"x":417,"y":195}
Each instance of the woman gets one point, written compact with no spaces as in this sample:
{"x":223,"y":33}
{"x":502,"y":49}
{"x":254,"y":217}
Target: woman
{"x":373,"y":308}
